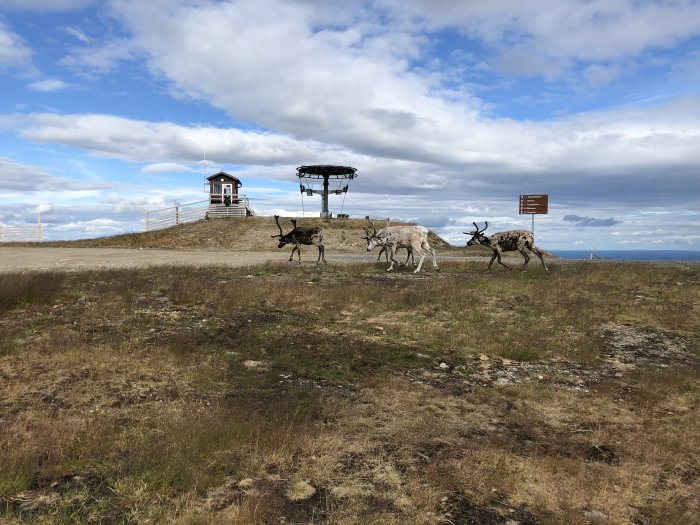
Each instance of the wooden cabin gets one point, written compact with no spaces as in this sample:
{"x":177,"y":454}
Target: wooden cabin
{"x":224,"y":199}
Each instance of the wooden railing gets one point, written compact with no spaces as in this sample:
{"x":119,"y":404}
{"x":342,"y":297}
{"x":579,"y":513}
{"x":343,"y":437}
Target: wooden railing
{"x":198,"y":210}
{"x":166,"y":217}
{"x":21,"y":233}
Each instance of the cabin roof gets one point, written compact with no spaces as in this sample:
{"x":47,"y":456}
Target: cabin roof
{"x":224,"y":174}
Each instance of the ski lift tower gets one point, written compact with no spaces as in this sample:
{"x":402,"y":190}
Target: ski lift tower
{"x":308,"y":174}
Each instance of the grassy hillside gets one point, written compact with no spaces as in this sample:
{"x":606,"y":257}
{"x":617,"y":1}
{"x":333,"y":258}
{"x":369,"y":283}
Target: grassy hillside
{"x":250,"y":234}
{"x":343,"y":395}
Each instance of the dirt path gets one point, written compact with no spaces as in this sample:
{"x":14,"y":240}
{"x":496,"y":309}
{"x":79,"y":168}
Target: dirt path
{"x":21,"y":258}
{"x":67,"y":259}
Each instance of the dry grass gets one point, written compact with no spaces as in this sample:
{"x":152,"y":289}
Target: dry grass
{"x":293,"y":394}
{"x":251,"y":234}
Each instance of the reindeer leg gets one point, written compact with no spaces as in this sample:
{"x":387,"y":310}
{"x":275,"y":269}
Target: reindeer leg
{"x":391,"y":256}
{"x":298,"y":252}
{"x":291,"y":255}
{"x":321,"y":252}
{"x":383,"y":250}
{"x":498,"y":254}
{"x":526,"y":256}
{"x":534,"y":249}
{"x":426,"y":246}
{"x":493,"y":258}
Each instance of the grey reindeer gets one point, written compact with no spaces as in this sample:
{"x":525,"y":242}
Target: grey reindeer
{"x":312,"y":235}
{"x":508,"y":241}
{"x":385,"y":249}
{"x":414,"y":238}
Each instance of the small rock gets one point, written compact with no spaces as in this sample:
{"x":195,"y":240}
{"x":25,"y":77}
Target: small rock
{"x":595,"y":514}
{"x":246,"y":483}
{"x":443,"y":365}
{"x":483,"y":357}
{"x":300,"y":490}
{"x":255,"y":365}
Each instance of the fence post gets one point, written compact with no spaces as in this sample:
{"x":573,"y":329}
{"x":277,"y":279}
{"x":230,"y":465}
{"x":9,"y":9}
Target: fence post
{"x":177,"y":215}
{"x":39,"y":230}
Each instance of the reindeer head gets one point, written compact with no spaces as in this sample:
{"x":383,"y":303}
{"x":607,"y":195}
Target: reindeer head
{"x":284,"y":239}
{"x":478,"y":236}
{"x":371,"y":237}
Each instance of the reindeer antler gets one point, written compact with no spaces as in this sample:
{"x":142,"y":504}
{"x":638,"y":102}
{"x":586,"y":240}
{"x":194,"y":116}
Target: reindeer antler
{"x":277,"y":220}
{"x":294,"y":223}
{"x":372,"y":224}
{"x":477,"y":230}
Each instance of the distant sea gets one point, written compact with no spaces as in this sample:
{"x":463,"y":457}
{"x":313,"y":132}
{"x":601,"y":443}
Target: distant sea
{"x":631,"y":255}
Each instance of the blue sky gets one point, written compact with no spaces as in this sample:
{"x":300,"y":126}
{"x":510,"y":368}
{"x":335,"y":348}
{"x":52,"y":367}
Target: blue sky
{"x":448,"y":110}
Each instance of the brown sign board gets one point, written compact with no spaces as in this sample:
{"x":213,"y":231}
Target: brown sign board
{"x":534,"y":204}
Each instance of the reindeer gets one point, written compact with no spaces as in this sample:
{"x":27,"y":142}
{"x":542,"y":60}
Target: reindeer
{"x":506,"y":242}
{"x":385,"y":250}
{"x":301,"y":235}
{"x":413,"y":238}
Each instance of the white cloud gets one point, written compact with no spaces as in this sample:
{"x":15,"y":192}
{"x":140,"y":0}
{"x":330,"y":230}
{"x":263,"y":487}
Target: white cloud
{"x":595,"y":30}
{"x":48,"y":85}
{"x":45,"y":5}
{"x":19,"y":177}
{"x":14,"y":53}
{"x":140,"y":141}
{"x":165,"y":167}
{"x":99,"y":59}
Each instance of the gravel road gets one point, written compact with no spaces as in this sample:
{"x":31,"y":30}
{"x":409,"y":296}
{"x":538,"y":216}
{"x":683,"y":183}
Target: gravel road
{"x":22,"y":258}
{"x":14,"y":259}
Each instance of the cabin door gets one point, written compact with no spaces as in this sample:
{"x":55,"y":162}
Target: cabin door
{"x":227,"y":193}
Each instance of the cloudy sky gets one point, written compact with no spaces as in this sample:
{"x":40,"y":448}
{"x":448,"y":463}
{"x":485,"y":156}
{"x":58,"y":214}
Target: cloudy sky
{"x":448,"y":110}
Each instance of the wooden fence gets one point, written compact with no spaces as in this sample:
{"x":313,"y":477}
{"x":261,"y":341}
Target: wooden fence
{"x":9,"y":233}
{"x":166,"y":217}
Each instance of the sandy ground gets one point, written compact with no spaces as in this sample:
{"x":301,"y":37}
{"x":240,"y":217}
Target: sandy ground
{"x":14,"y":259}
{"x":66,"y":259}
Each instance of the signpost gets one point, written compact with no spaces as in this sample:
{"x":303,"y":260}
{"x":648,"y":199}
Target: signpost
{"x":534,"y":204}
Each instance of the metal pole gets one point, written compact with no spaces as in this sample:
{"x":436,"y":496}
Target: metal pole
{"x":324,"y":210}
{"x":177,"y":215}
{"x":533,"y":224}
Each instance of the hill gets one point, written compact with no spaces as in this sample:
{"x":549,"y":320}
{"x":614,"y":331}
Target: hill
{"x":249,"y":234}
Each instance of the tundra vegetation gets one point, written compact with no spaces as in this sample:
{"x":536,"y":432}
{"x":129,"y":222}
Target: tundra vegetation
{"x":343,"y":395}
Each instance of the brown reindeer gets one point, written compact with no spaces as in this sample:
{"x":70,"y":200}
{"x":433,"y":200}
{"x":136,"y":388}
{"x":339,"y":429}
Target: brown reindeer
{"x":302,"y":235}
{"x":509,"y":241}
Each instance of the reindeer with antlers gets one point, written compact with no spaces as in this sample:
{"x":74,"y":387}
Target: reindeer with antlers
{"x":302,"y":235}
{"x":509,"y":241}
{"x":413,"y":238}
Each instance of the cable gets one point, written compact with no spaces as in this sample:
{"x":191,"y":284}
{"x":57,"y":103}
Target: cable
{"x":343,"y":205}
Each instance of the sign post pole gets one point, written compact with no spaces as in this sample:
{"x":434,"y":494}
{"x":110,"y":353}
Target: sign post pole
{"x":534,"y":204}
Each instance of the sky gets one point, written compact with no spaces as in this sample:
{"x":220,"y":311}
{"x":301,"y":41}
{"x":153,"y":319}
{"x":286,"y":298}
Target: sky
{"x":448,"y":110}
